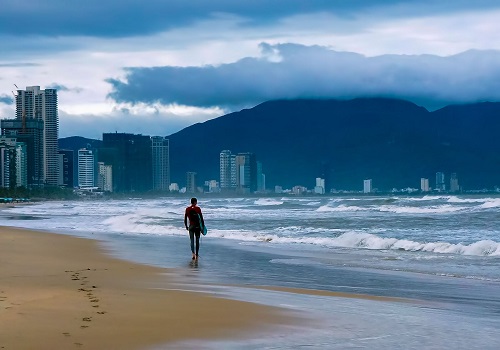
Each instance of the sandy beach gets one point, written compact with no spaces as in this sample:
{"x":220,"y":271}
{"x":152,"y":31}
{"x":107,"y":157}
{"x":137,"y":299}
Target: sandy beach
{"x":63,"y":292}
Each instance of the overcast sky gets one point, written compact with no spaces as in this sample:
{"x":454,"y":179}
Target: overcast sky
{"x":155,"y":67}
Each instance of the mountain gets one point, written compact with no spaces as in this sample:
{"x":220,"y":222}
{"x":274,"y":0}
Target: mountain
{"x":76,"y":142}
{"x":392,"y":142}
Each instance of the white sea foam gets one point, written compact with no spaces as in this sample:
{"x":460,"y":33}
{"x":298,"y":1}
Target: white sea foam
{"x":435,"y":209}
{"x":370,"y":241}
{"x":341,"y":208}
{"x":267,"y":201}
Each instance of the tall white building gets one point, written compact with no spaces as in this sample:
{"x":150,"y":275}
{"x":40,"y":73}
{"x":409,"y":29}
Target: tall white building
{"x":161,"y":163}
{"x":424,"y":184}
{"x":85,"y":168}
{"x":37,"y":104}
{"x":320,"y":186}
{"x":367,"y":186}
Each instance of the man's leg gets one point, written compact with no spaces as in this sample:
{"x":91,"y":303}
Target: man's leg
{"x":191,"y":237}
{"x":197,"y":242}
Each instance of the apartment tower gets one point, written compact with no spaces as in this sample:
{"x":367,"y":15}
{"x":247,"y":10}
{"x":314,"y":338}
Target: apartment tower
{"x":161,"y":163}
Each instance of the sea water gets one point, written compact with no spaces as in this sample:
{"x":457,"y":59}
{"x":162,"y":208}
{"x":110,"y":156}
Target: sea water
{"x":443,"y":252}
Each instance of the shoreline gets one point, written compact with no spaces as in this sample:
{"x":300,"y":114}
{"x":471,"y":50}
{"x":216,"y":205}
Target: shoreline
{"x":59,"y":291}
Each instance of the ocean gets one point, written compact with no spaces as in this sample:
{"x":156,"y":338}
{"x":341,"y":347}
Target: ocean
{"x":441,"y":252}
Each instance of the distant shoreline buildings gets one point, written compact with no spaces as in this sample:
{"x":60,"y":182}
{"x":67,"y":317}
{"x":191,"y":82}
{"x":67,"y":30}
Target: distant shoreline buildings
{"x":30,"y":158}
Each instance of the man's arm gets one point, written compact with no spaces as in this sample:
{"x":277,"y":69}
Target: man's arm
{"x":185,"y":219}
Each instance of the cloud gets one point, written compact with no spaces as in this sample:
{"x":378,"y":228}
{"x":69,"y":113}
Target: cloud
{"x":289,"y":71}
{"x":147,"y":119}
{"x":19,"y":64}
{"x":61,"y":87}
{"x":6,"y":99}
{"x":122,"y":18}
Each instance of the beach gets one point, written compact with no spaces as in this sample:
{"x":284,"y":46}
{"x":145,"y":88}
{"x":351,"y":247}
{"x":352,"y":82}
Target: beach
{"x":288,"y":273}
{"x":63,"y":292}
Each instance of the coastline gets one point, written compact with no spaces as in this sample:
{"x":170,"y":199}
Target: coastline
{"x":59,"y":291}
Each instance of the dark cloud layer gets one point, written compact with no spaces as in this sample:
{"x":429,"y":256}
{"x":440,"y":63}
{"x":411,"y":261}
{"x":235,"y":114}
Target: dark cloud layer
{"x":61,"y":87}
{"x":119,"y":18}
{"x":317,"y":72}
{"x":6,"y":99}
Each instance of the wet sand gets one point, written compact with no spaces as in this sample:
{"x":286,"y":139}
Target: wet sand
{"x":64,"y":292}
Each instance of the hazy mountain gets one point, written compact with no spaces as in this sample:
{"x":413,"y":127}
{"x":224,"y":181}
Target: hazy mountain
{"x":393,"y":142}
{"x":76,"y":142}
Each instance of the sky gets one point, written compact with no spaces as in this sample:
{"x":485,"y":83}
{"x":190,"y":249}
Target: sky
{"x":155,"y":67}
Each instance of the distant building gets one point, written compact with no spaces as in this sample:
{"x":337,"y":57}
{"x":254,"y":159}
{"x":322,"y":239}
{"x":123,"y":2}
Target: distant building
{"x":161,"y":163}
{"x":261,"y":178}
{"x":174,"y":187}
{"x":440,"y":184}
{"x":41,"y":105}
{"x":246,"y":172}
{"x":212,"y":186}
{"x":454,"y":187}
{"x":85,"y":168}
{"x":130,"y":156}
{"x":29,"y":131}
{"x":227,"y":170}
{"x":191,"y":182}
{"x":298,"y":190}
{"x":424,"y":185}
{"x":320,"y":186}
{"x":278,"y":189}
{"x":367,"y":186}
{"x":105,"y":177}
{"x":13,"y":163}
{"x":66,"y":168}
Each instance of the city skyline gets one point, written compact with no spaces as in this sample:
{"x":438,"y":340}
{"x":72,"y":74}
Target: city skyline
{"x":325,"y":49}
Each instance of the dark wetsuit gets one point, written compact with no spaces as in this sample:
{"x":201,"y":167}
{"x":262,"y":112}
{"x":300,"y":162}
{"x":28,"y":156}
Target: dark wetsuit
{"x":193,"y":213}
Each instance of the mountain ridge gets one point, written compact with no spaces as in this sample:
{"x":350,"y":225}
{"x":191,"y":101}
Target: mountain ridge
{"x":394,"y":142}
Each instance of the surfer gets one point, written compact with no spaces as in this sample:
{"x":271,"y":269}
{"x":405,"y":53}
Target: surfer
{"x":196,"y":222}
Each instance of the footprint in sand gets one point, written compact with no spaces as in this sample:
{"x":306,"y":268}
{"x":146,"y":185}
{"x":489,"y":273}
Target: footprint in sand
{"x":78,"y":344}
{"x":66,"y":334}
{"x":101,"y":312}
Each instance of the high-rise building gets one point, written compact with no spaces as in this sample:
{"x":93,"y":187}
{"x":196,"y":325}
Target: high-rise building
{"x":320,"y":186}
{"x":440,"y":185}
{"x":86,"y":168}
{"x":105,"y":177}
{"x":130,"y":156}
{"x":454,"y":187}
{"x":227,"y":170}
{"x":66,"y":168}
{"x":161,"y":163}
{"x":261,"y":178}
{"x":424,"y":184}
{"x":13,"y":163}
{"x":367,"y":186}
{"x":30,"y":132}
{"x":191,"y":182}
{"x":246,"y":172}
{"x":41,"y":105}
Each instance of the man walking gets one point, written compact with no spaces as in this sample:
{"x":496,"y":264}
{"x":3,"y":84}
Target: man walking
{"x":193,"y":213}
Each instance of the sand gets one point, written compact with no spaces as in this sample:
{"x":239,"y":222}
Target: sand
{"x":64,"y":292}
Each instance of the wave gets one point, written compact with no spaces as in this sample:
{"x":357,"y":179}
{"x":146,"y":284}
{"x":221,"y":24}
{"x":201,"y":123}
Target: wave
{"x":437,"y":209}
{"x":370,"y":241}
{"x":341,"y":208}
{"x":267,"y":201}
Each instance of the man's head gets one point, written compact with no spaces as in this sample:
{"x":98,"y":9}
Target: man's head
{"x":194,"y":201}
